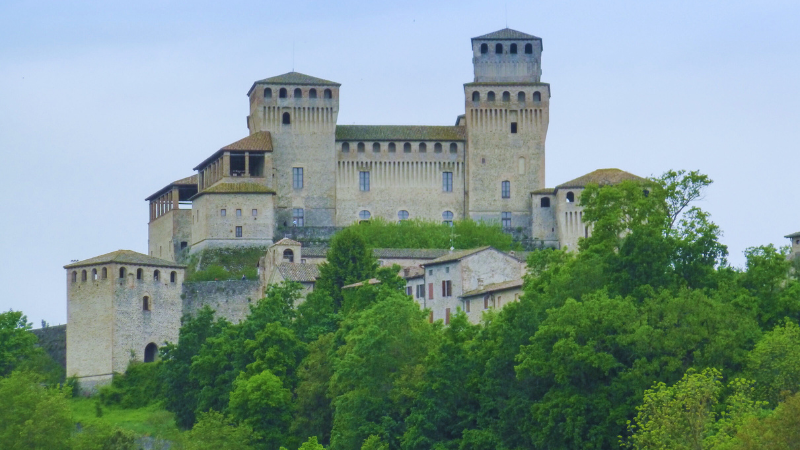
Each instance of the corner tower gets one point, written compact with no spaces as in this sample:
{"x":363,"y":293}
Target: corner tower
{"x":300,"y":112}
{"x":507,"y":114}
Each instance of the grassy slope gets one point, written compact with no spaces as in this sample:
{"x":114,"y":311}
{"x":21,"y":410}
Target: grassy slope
{"x":151,"y":420}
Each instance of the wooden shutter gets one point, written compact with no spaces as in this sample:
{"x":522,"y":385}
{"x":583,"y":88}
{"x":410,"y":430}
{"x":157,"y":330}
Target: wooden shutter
{"x":447,"y":316}
{"x":430,"y":291}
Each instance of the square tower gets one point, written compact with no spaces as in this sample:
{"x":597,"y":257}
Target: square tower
{"x":507,"y":114}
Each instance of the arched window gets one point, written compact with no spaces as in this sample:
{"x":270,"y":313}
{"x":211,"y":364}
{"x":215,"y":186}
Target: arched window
{"x":476,"y":96}
{"x":447,"y":218}
{"x":94,"y":274}
{"x":298,"y":93}
{"x":402,"y":215}
{"x":392,"y":147}
{"x":122,"y":272}
{"x":570,"y":197}
{"x":156,"y":275}
{"x":83,"y":275}
{"x":104,"y":273}
{"x":513,"y":49}
{"x":267,"y":93}
{"x":328,"y":93}
{"x":312,"y":93}
{"x":545,"y":202}
{"x":521,"y":97}
{"x":437,"y":148}
{"x":407,"y":147}
{"x":139,"y":274}
{"x":528,"y":49}
{"x":376,"y":147}
{"x":146,"y":306}
{"x":173,"y":277}
{"x":484,"y":49}
{"x":490,"y":96}
{"x":282,"y":93}
{"x":345,"y":147}
{"x":505,"y":189}
{"x":74,"y":276}
{"x":506,"y":96}
{"x":453,"y":148}
{"x":423,"y":147}
{"x":364,"y":215}
{"x":288,"y":255}
{"x":360,"y":147}
{"x":537,"y":96}
{"x":498,"y":49}
{"x":287,"y":119}
{"x":150,"y":352}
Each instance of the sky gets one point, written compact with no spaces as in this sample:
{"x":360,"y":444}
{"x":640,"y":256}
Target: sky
{"x":104,"y":103}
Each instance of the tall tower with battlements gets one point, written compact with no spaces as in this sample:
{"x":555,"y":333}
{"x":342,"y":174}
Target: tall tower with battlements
{"x":299,"y":111}
{"x":507,"y":113}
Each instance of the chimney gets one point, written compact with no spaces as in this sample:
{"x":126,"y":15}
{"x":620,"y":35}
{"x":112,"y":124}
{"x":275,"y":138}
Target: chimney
{"x":405,"y":271}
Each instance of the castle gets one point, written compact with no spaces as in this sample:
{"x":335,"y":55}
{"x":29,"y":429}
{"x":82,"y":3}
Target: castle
{"x":299,"y":172}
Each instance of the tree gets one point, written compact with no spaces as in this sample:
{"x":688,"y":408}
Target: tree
{"x":349,"y":260}
{"x":33,"y":416}
{"x":780,"y":430}
{"x":262,"y":403}
{"x":313,"y":409}
{"x":213,"y":432}
{"x":103,"y":436}
{"x":17,"y":343}
{"x":774,"y":363}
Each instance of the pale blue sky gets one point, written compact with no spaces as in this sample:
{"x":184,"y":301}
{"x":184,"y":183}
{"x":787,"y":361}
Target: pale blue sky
{"x":103,"y":103}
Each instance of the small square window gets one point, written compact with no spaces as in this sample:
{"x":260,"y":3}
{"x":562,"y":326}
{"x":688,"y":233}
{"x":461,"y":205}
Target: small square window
{"x":238,"y":213}
{"x":513,"y":127}
{"x":238,"y":231}
{"x":430,"y":272}
{"x":446,"y":270}
{"x":255,"y":212}
{"x":222,"y":212}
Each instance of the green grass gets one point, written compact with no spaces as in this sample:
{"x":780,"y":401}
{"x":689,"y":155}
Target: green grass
{"x":224,"y":264}
{"x":152,"y":420}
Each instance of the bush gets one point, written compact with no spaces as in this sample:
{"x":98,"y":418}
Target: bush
{"x":417,"y":233}
{"x":139,"y":386}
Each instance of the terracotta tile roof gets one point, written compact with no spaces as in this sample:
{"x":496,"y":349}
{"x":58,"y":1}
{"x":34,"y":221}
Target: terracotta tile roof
{"x":456,"y":255}
{"x":237,"y":188}
{"x":287,"y":241}
{"x":260,"y":141}
{"x":546,"y":191}
{"x":315,"y":251}
{"x":297,"y":78}
{"x":412,"y":272}
{"x":494,"y":287}
{"x":508,"y":83}
{"x":601,"y":177}
{"x":399,"y":133}
{"x":506,"y":33}
{"x":361,"y":283}
{"x":124,"y":257}
{"x":385,"y":253}
{"x":302,"y":273}
{"x":188,"y":181}
{"x":793,"y":235}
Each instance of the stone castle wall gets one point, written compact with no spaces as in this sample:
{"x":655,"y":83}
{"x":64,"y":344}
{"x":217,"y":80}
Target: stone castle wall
{"x":230,"y":299}
{"x":211,"y":229}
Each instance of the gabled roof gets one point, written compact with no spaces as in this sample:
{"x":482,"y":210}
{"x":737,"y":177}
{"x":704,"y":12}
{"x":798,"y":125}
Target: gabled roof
{"x":188,"y":181}
{"x":506,"y":33}
{"x":400,"y":133}
{"x":456,"y":255}
{"x":287,"y":241}
{"x":124,"y":257}
{"x":494,"y":287}
{"x":237,"y":188}
{"x":301,"y":273}
{"x":294,"y":78}
{"x":793,"y":235}
{"x":259,"y":142}
{"x":601,"y":177}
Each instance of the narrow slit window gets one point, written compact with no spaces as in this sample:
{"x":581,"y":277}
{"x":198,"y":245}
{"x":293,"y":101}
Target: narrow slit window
{"x":505,"y":189}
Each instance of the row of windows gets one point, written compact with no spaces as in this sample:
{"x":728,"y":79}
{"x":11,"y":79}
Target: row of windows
{"x":103,"y":274}
{"x":224,"y":212}
{"x":512,"y":49}
{"x":447,"y":216}
{"x":447,"y":183}
{"x":476,"y":96}
{"x":545,"y":201}
{"x":298,"y":93}
{"x":392,"y":147}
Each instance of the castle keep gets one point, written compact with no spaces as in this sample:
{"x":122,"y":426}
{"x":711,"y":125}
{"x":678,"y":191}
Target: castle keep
{"x":297,"y":170}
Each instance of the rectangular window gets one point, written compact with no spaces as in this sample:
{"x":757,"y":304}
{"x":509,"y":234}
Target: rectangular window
{"x":238,"y":231}
{"x":408,"y":290}
{"x":238,"y":213}
{"x":430,"y":291}
{"x":505,"y":218}
{"x":505,"y":189}
{"x":297,"y":177}
{"x":420,"y":291}
{"x":298,"y":217}
{"x":447,"y":181}
{"x":447,"y":288}
{"x":486,"y":302}
{"x":255,"y":212}
{"x":513,"y":127}
{"x":447,"y":316}
{"x":466,"y":305}
{"x":447,"y":269}
{"x":363,"y":181}
{"x":223,"y":212}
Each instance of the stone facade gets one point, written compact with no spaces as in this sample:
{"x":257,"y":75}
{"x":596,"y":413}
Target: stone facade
{"x":795,"y":243}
